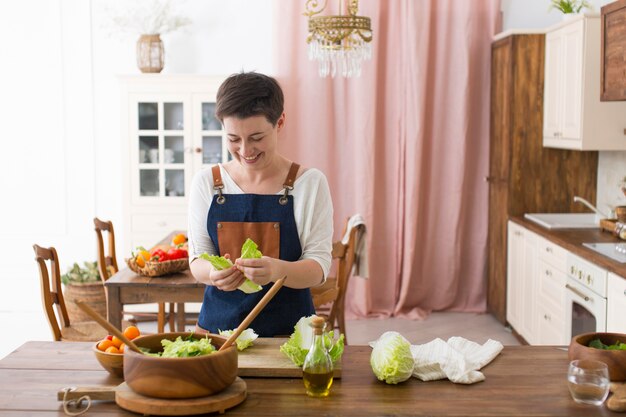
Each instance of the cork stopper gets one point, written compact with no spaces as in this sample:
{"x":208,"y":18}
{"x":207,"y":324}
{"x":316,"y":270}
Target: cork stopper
{"x":318,"y":324}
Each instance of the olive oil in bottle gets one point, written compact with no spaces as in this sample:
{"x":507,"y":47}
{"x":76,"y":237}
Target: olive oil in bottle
{"x":317,"y":372}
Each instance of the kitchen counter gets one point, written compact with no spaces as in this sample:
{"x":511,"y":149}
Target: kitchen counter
{"x":573,"y":239}
{"x":521,"y":381}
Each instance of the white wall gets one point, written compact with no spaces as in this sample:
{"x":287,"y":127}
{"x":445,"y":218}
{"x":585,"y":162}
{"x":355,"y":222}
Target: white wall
{"x":59,"y":118}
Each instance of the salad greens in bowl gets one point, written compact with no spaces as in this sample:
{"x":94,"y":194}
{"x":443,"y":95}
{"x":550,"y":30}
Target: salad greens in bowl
{"x":180,"y":365}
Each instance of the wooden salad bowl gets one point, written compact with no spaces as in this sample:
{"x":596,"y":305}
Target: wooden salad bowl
{"x":614,"y":359}
{"x":192,"y":377}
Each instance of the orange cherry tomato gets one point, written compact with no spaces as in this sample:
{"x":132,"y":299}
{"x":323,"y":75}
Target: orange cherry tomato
{"x":131,"y":332}
{"x":116,"y":342}
{"x":112,"y":349}
{"x":103,"y":345}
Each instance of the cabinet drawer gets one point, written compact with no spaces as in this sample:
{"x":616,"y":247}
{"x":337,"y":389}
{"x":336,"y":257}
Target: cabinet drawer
{"x":552,"y":254}
{"x":552,"y":288}
{"x":158,"y":223}
{"x":551,"y":328}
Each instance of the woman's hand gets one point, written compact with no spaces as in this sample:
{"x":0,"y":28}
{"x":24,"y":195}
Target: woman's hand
{"x":261,"y":270}
{"x":227,"y":279}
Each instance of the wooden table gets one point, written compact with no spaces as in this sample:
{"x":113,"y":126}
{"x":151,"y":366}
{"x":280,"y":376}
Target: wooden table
{"x":521,"y":381}
{"x":127,"y":287}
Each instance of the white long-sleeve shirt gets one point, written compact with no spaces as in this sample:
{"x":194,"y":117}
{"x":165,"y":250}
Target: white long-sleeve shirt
{"x":313,"y":213}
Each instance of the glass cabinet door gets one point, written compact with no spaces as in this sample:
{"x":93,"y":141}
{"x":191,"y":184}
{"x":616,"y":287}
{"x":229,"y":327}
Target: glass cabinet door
{"x":161,"y":158}
{"x":211,"y":139}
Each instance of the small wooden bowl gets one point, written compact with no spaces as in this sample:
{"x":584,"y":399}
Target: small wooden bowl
{"x":112,"y":362}
{"x":193,"y":377}
{"x":615,"y":359}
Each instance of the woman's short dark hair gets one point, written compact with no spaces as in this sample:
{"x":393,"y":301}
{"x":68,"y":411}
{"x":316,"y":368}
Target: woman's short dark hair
{"x":250,"y":94}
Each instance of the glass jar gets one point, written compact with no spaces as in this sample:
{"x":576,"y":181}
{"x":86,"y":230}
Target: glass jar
{"x":317,"y":371}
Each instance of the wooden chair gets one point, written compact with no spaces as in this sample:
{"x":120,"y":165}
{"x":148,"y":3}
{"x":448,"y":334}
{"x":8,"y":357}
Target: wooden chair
{"x":107,"y":266}
{"x":52,"y":298}
{"x":329,"y":298}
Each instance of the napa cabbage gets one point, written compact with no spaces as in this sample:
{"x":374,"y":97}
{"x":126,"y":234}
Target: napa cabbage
{"x":248,"y":250}
{"x":244,"y":340}
{"x":391,"y":358}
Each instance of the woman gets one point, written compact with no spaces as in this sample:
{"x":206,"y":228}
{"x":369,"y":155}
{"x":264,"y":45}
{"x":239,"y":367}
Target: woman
{"x":259,"y":194}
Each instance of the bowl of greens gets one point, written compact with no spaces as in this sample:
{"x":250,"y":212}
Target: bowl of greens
{"x":180,"y":365}
{"x":609,"y":348}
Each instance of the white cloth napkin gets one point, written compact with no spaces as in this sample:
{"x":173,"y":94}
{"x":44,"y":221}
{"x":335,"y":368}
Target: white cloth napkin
{"x":458,"y":359}
{"x":360,"y":267}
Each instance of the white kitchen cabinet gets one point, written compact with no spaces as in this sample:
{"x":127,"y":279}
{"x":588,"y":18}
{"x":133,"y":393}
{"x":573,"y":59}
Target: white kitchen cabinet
{"x":551,"y":277}
{"x":574,"y":116}
{"x":169,"y":133}
{"x":616,"y":304}
{"x":522,"y":268}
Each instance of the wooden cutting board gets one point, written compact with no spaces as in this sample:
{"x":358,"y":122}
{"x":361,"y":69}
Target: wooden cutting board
{"x":264,"y":359}
{"x":131,"y":401}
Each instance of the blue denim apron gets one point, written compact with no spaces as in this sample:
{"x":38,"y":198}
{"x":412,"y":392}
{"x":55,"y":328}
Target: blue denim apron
{"x":225,"y":310}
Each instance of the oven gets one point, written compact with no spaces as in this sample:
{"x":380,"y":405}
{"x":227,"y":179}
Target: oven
{"x":585,"y":297}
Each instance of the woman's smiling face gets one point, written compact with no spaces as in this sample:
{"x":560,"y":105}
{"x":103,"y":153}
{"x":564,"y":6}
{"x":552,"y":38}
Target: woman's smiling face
{"x":252,"y":141}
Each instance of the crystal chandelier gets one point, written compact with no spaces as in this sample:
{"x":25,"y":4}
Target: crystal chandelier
{"x":339,"y":43}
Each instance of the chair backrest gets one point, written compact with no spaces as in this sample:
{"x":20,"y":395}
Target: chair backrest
{"x":107,"y":263}
{"x":51,"y":291}
{"x":345,"y":256}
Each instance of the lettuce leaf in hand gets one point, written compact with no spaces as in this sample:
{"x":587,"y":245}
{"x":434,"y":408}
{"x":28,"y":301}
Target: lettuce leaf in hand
{"x":244,"y":340}
{"x":299,"y":343}
{"x":219,"y":263}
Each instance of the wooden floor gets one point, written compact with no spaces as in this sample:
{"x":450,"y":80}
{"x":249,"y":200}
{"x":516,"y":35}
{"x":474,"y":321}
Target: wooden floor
{"x":476,"y":327}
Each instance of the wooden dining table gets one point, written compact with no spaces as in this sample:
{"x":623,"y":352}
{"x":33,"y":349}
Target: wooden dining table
{"x":128,"y":287}
{"x":521,"y":381}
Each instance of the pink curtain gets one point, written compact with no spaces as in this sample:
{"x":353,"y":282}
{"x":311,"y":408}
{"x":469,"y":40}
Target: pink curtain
{"x":406,"y":145}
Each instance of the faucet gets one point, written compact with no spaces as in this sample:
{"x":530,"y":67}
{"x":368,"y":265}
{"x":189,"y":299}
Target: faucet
{"x":589,"y":205}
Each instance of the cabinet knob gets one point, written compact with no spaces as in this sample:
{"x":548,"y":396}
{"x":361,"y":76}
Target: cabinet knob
{"x":198,"y":150}
{"x":557,"y":134}
{"x":548,"y":273}
{"x":624,"y":292}
{"x":488,"y":178}
{"x":545,"y":316}
{"x":549,"y":250}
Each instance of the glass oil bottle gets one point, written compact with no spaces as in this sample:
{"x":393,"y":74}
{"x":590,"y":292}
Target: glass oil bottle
{"x":317,"y":371}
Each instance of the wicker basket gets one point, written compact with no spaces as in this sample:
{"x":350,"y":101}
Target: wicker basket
{"x":156,"y":269}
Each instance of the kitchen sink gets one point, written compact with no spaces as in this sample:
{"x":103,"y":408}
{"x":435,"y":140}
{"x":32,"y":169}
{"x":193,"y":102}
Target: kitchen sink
{"x":565,"y":220}
{"x":615,"y":251}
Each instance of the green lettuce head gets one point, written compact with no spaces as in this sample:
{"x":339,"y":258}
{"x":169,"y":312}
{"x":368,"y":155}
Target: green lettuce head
{"x":299,"y":343}
{"x":391,"y":358}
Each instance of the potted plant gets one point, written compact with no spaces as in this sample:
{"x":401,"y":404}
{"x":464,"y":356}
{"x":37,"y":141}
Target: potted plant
{"x":569,"y":7}
{"x":83,"y":283}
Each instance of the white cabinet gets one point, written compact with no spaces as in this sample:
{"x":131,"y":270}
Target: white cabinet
{"x":521,"y":271}
{"x":574,"y":116}
{"x":551,"y":277}
{"x":170,"y":132}
{"x":616,"y":304}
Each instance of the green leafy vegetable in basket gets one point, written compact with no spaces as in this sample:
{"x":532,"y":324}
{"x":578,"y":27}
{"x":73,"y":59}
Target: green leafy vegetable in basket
{"x":597,"y":343}
{"x":249,"y":250}
{"x":298,"y":344}
{"x":184,"y":348}
{"x":244,"y":340}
